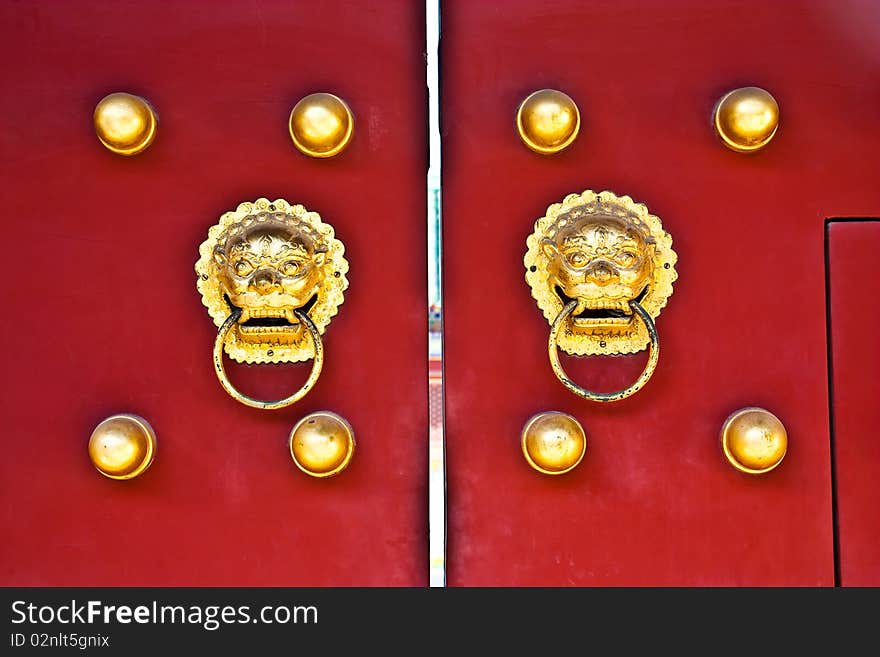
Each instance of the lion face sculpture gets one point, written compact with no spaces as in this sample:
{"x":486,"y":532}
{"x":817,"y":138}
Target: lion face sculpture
{"x":268,"y":269}
{"x":268,"y":259}
{"x":602,"y":251}
{"x":603,"y":263}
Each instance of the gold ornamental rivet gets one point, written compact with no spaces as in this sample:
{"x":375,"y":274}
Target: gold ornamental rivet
{"x":746,"y":119}
{"x":322,"y":444}
{"x":321,"y":125}
{"x":754,"y":440}
{"x":548,"y":121}
{"x":122,"y":446}
{"x":553,"y":442}
{"x":125,"y":124}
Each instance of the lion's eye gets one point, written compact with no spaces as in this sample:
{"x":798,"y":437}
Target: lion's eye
{"x":577,"y":259}
{"x":243,"y":267}
{"x":289,"y":268}
{"x":627,"y":259}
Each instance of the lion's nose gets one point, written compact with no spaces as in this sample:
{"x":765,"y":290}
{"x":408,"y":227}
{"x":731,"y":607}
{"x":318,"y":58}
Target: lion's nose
{"x":602,"y":273}
{"x":265,"y":281}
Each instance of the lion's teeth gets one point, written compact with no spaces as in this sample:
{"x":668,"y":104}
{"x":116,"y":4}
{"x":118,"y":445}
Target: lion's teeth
{"x":257,"y":313}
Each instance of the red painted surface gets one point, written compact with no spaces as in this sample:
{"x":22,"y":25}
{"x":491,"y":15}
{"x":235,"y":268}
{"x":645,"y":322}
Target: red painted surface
{"x":653,"y":502}
{"x":102,"y":315}
{"x":854,"y":288}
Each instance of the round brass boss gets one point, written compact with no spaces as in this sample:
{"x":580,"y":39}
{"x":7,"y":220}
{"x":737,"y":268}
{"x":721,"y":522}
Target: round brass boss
{"x":122,"y":446}
{"x":321,"y":125}
{"x":553,"y":442}
{"x":548,"y":121}
{"x":322,"y":444}
{"x":125,"y":124}
{"x":754,"y":440}
{"x":746,"y":119}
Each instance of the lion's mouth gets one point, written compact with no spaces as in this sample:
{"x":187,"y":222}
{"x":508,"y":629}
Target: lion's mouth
{"x":603,"y":312}
{"x":270,"y":325}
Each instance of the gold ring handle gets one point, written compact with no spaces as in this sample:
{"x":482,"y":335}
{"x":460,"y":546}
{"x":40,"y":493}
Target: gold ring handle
{"x":258,"y":403}
{"x":558,"y":370}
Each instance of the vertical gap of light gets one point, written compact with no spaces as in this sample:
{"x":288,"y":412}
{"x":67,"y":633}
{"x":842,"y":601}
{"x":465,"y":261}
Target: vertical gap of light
{"x":436,"y":442}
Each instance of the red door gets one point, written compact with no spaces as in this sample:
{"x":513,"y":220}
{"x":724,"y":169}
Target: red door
{"x":653,"y":502}
{"x":103,"y":315}
{"x":853,"y":287}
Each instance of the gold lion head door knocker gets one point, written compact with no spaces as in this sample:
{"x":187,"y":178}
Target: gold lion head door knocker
{"x":601,"y":269}
{"x":272,"y":275}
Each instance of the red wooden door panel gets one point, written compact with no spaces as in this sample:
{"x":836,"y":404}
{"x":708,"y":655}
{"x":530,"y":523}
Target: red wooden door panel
{"x":103,"y":315}
{"x":653,"y":502}
{"x":854,"y":287}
